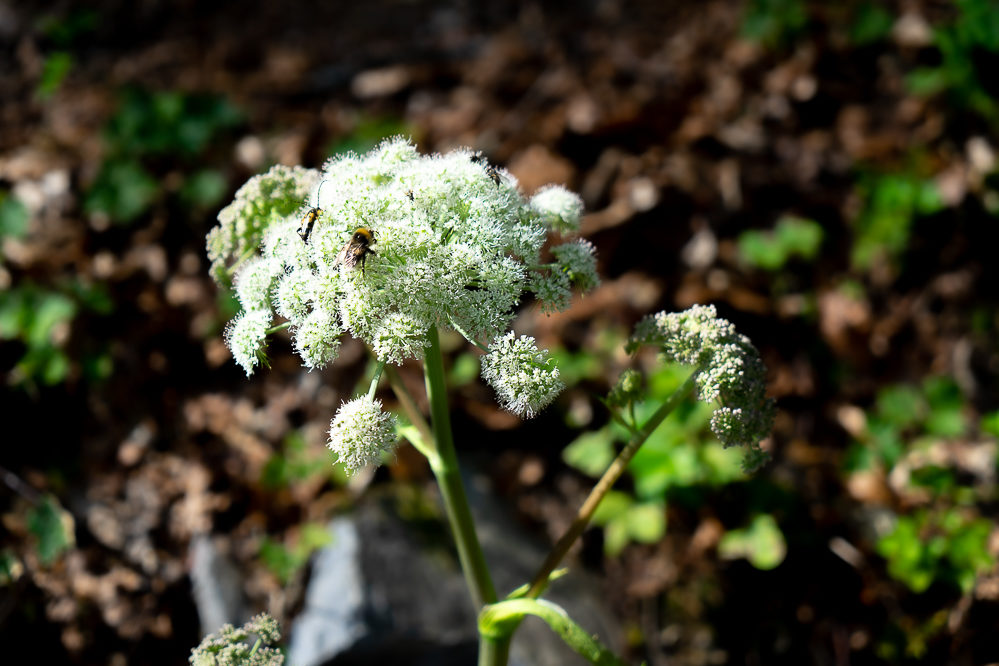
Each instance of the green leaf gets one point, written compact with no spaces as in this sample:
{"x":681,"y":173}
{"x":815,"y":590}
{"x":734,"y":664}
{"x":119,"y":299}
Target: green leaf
{"x":204,"y":188}
{"x":123,"y":191}
{"x":646,"y":522}
{"x":762,"y":543}
{"x":54,"y":70}
{"x":990,"y":423}
{"x":872,"y":23}
{"x":946,"y":417}
{"x":53,"y":527}
{"x":591,"y":453}
{"x":901,"y":405}
{"x":464,"y":370}
{"x":13,"y":217}
{"x":613,"y":506}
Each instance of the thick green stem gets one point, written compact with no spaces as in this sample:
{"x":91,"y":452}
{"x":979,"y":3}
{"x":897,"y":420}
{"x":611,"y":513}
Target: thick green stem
{"x":493,"y":651}
{"x":444,"y":464}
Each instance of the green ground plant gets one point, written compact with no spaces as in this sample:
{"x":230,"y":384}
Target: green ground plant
{"x":146,"y":128}
{"x":937,"y":536}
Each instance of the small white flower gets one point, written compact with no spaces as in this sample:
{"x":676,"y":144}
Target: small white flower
{"x":524,"y":378}
{"x":254,"y":282}
{"x":362,"y":433}
{"x":317,"y":339}
{"x":560,"y":209}
{"x":245,"y":337}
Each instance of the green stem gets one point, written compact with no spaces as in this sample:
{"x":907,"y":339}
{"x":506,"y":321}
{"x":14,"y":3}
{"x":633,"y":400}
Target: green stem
{"x":279,"y":327}
{"x":604,"y":485}
{"x":493,"y":651}
{"x":425,"y":445}
{"x":585,"y":513}
{"x":444,"y":464}
{"x":373,"y":387}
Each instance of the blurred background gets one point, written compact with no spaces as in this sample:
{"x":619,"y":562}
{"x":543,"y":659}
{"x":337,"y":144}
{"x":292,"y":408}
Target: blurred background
{"x":824,"y":173}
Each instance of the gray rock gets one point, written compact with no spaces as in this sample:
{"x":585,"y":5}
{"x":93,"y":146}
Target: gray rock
{"x":387,"y":590}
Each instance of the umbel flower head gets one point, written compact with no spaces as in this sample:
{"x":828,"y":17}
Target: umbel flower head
{"x":448,"y":242}
{"x":523,"y":376}
{"x":229,"y":647}
{"x":729,"y":372}
{"x":361,"y":433}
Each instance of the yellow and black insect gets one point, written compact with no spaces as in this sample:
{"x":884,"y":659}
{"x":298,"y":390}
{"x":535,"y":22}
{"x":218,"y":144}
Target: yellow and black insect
{"x":309,"y":221}
{"x":310,"y":217}
{"x":357,"y":249}
{"x":490,"y":169}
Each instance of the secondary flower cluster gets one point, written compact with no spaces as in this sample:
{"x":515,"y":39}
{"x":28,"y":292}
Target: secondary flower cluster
{"x":729,"y":372}
{"x":229,"y":646}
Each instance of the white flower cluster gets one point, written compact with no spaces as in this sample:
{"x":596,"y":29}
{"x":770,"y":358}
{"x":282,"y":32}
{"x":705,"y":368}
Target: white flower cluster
{"x":524,"y":378}
{"x":558,"y":208}
{"x":730,"y":371}
{"x":361,"y":433}
{"x":451,"y":243}
{"x":229,"y":647}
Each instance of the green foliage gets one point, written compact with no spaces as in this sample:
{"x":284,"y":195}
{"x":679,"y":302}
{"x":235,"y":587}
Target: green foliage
{"x":966,"y":45}
{"x":772,"y":250}
{"x":890,"y":202}
{"x":204,"y":189}
{"x":368,"y":133}
{"x":774,"y":23}
{"x":63,"y":34}
{"x":464,"y":370}
{"x":148,"y":126}
{"x":35,"y":317}
{"x":947,"y":542}
{"x":10,"y":567}
{"x":68,"y":31}
{"x":53,"y":529}
{"x":286,"y":561}
{"x":870,"y":23}
{"x":946,"y":546}
{"x":39,"y":318}
{"x":627,"y":520}
{"x":13,"y":217}
{"x":123,"y":191}
{"x":762,"y":543}
{"x":990,"y":424}
{"x":295,"y":463}
{"x":55,"y":68}
{"x":904,"y":413}
{"x":680,"y":454}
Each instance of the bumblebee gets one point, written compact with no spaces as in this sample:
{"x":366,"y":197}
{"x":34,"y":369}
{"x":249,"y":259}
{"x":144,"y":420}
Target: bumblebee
{"x":357,"y":249}
{"x":309,"y":221}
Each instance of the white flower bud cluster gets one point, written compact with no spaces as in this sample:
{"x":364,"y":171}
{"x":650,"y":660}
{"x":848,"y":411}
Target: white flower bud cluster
{"x":524,"y":378}
{"x":361,"y":433}
{"x":229,"y":646}
{"x":246,"y":337}
{"x":730,"y":371}
{"x":261,"y":202}
{"x":560,"y":209}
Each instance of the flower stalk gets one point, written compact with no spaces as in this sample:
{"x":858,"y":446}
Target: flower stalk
{"x":444,"y":463}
